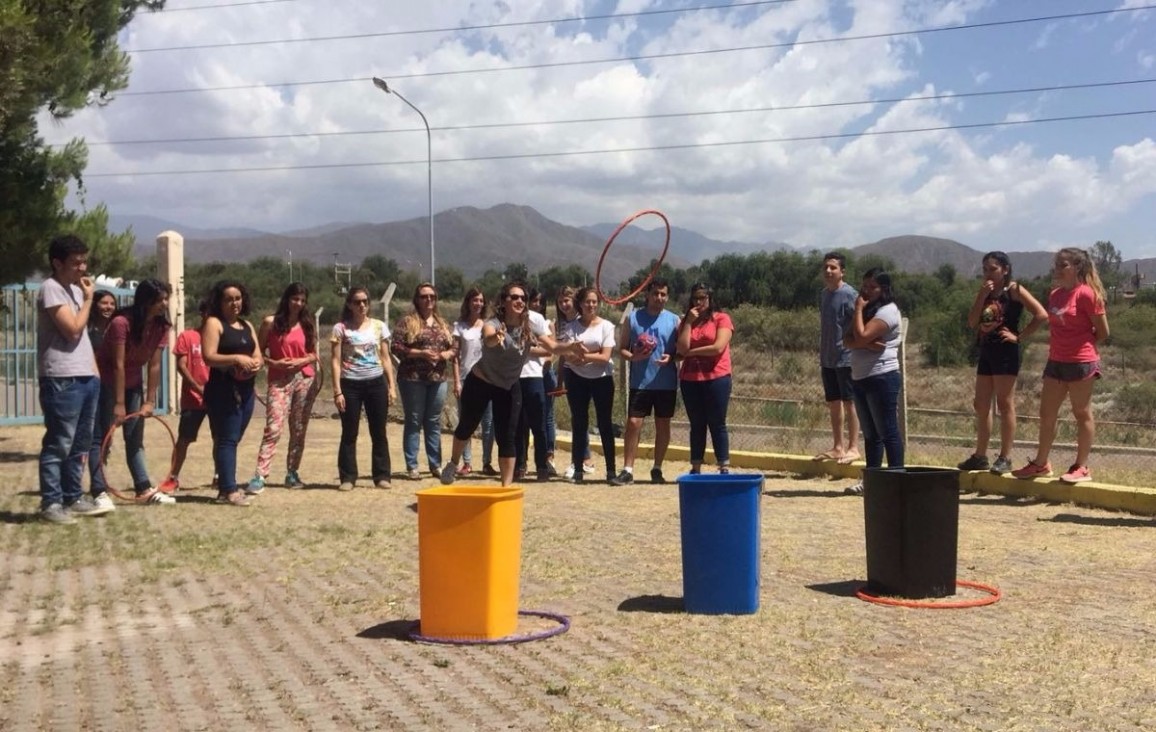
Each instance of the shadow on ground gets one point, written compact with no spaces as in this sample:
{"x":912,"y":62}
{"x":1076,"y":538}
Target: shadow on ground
{"x":392,"y":630}
{"x":846,"y":588}
{"x":1070,"y":518}
{"x":652,"y":604}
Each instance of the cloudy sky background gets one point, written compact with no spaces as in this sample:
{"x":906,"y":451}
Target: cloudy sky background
{"x":1030,"y":186}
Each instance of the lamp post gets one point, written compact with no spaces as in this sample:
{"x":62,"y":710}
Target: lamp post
{"x":381,"y":84}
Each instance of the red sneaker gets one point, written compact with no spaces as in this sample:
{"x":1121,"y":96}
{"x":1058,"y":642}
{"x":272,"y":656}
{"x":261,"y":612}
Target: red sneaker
{"x":1077,"y":474}
{"x":169,"y":485}
{"x":465,"y":469}
{"x":1033,"y":470}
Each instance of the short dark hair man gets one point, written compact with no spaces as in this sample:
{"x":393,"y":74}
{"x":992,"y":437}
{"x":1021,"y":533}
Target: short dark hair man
{"x":647,"y":341}
{"x":69,"y":385}
{"x":836,"y":306}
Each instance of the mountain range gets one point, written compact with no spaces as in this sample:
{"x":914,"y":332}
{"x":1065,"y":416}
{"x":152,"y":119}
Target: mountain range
{"x":475,"y":240}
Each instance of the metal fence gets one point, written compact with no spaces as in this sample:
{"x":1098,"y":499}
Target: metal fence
{"x":19,"y":396}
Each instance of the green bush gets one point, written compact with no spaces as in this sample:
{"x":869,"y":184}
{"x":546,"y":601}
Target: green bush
{"x":1135,"y":403}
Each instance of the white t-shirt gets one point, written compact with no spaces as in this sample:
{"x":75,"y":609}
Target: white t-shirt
{"x":470,"y":346}
{"x":533,"y":367}
{"x":866,"y":362}
{"x":593,"y":338}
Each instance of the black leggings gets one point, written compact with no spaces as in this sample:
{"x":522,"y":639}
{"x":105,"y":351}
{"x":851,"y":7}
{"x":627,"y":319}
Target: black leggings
{"x":580,"y":392}
{"x":476,"y":394}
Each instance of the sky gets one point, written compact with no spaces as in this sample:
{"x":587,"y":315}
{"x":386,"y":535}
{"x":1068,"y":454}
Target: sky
{"x":800,"y":121}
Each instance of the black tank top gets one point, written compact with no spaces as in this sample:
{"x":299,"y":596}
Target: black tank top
{"x":233,"y":341}
{"x":999,"y":311}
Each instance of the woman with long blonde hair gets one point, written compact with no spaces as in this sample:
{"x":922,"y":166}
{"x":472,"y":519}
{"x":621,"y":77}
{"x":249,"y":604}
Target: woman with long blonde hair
{"x":424,"y":343}
{"x":1077,"y":322}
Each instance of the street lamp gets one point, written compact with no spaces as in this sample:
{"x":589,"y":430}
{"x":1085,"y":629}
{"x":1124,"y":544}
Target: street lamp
{"x":381,"y":84}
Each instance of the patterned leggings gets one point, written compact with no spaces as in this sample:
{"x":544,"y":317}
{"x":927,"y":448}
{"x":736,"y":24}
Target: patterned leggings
{"x":290,"y":397}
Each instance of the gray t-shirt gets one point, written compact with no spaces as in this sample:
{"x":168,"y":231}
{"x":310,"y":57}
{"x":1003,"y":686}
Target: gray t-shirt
{"x":501,"y":365}
{"x":867,"y":362}
{"x":835,"y":311}
{"x":58,"y":356}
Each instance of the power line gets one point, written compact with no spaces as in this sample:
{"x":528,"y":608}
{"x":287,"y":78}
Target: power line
{"x":653,"y":57}
{"x":215,"y":7}
{"x":655,"y":148}
{"x":456,"y":29}
{"x":625,"y":118}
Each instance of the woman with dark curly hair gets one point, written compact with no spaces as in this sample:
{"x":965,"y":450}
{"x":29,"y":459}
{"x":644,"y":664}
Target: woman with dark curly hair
{"x":230,"y":347}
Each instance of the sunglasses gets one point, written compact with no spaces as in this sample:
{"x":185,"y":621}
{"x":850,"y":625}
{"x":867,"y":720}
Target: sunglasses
{"x":359,"y":301}
{"x":522,"y":298}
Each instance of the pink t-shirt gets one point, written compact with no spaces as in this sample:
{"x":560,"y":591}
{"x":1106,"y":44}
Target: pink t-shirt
{"x":189,"y":345}
{"x":287,"y":345}
{"x":1070,"y":313}
{"x":135,"y":356}
{"x":705,"y":368}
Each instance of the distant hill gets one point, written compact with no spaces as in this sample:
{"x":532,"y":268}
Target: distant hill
{"x":471,"y":239}
{"x":684,"y":243}
{"x":475,"y":240}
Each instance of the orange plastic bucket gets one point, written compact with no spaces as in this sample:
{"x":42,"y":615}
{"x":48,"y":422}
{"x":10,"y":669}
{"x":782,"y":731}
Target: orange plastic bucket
{"x":469,"y":561}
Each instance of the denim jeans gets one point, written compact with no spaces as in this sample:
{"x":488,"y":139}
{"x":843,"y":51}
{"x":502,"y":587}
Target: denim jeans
{"x":230,"y":406}
{"x":877,"y":402}
{"x":422,"y":402}
{"x":550,"y":383}
{"x":69,"y":407}
{"x":133,"y":431}
{"x":487,"y":437}
{"x":532,"y":420}
{"x":706,"y":405}
{"x":579,"y":393}
{"x":373,"y":395}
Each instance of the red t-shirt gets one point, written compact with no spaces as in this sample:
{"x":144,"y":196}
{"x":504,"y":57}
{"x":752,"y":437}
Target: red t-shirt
{"x":135,"y":356}
{"x":189,"y":344}
{"x":705,"y":368}
{"x":1070,"y":312}
{"x":287,"y":345}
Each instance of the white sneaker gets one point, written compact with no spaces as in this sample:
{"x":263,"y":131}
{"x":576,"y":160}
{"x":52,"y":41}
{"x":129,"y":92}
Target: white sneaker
{"x":162,"y":498}
{"x":587,"y":468}
{"x":569,"y":474}
{"x":104,"y":502}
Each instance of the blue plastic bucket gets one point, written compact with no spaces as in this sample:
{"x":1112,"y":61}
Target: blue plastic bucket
{"x":719,"y":521}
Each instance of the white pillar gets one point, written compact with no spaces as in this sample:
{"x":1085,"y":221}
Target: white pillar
{"x":171,"y":269}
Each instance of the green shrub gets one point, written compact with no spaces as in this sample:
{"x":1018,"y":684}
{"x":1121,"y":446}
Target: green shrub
{"x":1135,"y":403}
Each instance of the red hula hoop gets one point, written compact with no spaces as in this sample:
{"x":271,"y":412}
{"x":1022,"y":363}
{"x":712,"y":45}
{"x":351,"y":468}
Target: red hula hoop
{"x":130,"y":497}
{"x":991,"y":596}
{"x":610,"y":242}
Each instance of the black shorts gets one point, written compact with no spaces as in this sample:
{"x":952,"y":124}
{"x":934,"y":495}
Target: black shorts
{"x":661,"y":401}
{"x":190,"y":425}
{"x":837,"y":384}
{"x":998,"y":359}
{"x":1062,"y":371}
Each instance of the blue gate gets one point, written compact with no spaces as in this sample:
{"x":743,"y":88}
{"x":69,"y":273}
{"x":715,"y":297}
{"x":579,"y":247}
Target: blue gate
{"x":19,"y":395}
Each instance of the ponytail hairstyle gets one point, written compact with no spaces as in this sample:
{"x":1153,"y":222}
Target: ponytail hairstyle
{"x":886,"y":296}
{"x":1085,"y":270}
{"x":281,"y":322}
{"x":148,"y":292}
{"x":500,"y":311}
{"x":347,"y":306}
{"x":1002,"y":260}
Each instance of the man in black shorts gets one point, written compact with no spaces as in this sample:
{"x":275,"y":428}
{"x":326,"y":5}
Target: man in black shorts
{"x":647,"y":341}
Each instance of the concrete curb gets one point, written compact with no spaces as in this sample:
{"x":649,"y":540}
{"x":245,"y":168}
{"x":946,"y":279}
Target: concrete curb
{"x":1139,"y":501}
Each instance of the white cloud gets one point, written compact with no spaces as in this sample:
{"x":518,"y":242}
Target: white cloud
{"x":814,"y":193}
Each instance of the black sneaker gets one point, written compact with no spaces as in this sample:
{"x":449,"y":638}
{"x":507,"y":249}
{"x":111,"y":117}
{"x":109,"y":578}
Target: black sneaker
{"x":975,"y":462}
{"x":656,"y":476}
{"x":623,"y":478}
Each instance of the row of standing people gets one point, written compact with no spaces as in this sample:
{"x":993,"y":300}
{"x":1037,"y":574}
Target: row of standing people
{"x":860,"y":334}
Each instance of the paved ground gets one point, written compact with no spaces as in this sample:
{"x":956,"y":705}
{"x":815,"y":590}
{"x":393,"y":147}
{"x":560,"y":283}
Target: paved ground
{"x":293,"y":615}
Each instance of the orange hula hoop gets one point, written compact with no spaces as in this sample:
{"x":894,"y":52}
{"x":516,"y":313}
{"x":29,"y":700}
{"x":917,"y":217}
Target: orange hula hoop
{"x":130,"y":496}
{"x":610,"y":243}
{"x":991,"y":596}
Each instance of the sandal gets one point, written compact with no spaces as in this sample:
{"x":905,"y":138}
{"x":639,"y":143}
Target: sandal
{"x":849,"y":458}
{"x":829,"y":455}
